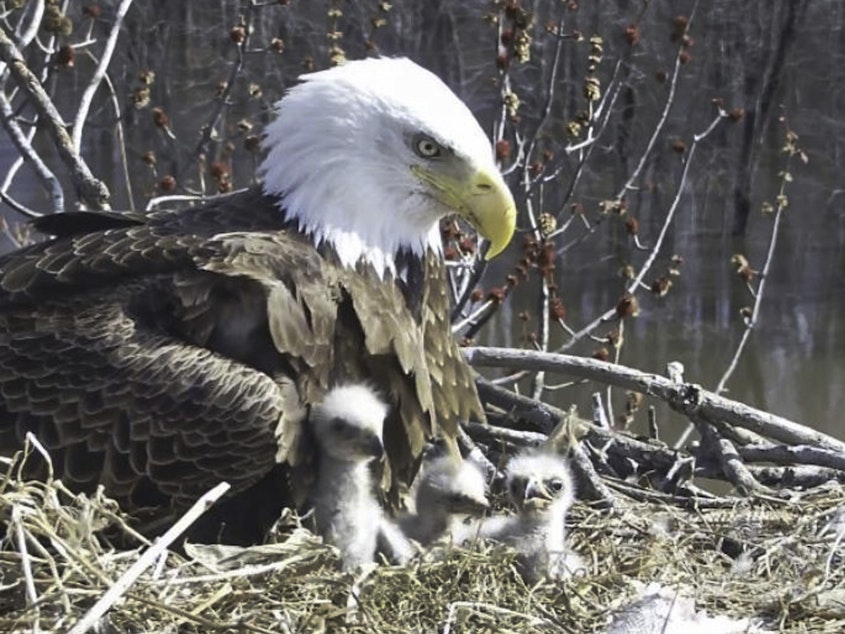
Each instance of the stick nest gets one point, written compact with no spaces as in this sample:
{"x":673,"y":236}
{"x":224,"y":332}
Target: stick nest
{"x":779,"y":562}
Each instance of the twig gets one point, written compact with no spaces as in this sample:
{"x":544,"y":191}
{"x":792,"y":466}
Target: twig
{"x":353,"y":598}
{"x":599,"y":415}
{"x":647,"y":495}
{"x":121,"y":140}
{"x":20,"y":537}
{"x":547,"y":417}
{"x":758,"y":297}
{"x":799,"y":454}
{"x":21,"y":209}
{"x":637,"y":282}
{"x":91,"y":191}
{"x":472,"y":317}
{"x":729,"y":460}
{"x":121,"y":586}
{"x":99,"y":73}
{"x":494,"y":609}
{"x":471,"y":282}
{"x":840,"y":535}
{"x":595,"y":133}
{"x":589,"y":478}
{"x":543,"y":296}
{"x":549,"y":101}
{"x":24,"y":36}
{"x":209,"y":624}
{"x":23,"y":143}
{"x":474,"y":453}
{"x":758,"y":300}
{"x":39,"y":548}
{"x":497,"y":433}
{"x":655,"y":249}
{"x":223,"y":97}
{"x":658,"y":128}
{"x":797,"y":477}
{"x":34,"y":443}
{"x":542,"y":416}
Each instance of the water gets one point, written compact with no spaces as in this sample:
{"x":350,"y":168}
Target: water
{"x":792,"y":365}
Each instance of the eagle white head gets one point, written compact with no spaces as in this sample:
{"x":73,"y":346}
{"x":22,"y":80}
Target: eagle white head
{"x":370,"y":155}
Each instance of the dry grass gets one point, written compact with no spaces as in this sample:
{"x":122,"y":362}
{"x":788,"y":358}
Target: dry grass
{"x":779,"y":561}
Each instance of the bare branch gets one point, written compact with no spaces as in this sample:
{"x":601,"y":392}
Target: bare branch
{"x":729,"y":459}
{"x":223,"y":97}
{"x":637,"y":283}
{"x":91,"y":191}
{"x":655,"y":249}
{"x":99,"y":73}
{"x":758,"y":296}
{"x":22,"y":142}
{"x":26,"y":31}
{"x":796,"y":454}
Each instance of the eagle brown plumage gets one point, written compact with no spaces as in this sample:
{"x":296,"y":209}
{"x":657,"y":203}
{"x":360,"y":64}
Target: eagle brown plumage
{"x":159,"y":355}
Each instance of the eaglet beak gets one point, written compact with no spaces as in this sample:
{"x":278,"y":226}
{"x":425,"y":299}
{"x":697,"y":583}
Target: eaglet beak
{"x":480,"y":197}
{"x":536,"y":497}
{"x":472,"y":506}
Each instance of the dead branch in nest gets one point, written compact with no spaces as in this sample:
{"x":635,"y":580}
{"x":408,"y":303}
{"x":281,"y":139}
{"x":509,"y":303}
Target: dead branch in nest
{"x":686,"y":398}
{"x":798,"y":457}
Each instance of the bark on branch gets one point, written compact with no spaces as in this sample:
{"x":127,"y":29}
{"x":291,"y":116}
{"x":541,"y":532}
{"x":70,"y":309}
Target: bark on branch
{"x":91,"y":191}
{"x":691,"y":400}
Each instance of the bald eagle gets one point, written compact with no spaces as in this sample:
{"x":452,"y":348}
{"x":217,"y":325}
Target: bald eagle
{"x":159,"y":355}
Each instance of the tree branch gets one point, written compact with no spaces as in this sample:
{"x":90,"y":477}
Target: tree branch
{"x":99,"y":73}
{"x":686,"y":398}
{"x":90,"y":191}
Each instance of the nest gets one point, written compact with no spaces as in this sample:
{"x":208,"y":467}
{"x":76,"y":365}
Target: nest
{"x":776,"y":561}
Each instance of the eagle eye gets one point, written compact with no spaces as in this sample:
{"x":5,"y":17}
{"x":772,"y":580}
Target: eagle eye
{"x":426,"y":147}
{"x":556,"y":485}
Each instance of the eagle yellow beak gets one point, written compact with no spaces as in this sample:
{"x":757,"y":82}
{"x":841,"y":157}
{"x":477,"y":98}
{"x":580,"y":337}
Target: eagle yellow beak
{"x":480,"y":197}
{"x":489,"y":207}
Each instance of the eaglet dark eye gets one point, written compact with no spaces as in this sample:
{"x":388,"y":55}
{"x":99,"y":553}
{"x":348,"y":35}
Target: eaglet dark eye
{"x":426,"y":147}
{"x":556,"y":485}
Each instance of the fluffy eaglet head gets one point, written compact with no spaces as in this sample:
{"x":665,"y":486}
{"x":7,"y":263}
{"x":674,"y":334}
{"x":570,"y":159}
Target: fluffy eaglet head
{"x":537,"y":480}
{"x":348,"y":423}
{"x":369,"y":156}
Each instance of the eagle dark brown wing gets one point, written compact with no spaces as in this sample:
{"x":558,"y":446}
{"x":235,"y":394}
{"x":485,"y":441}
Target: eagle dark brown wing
{"x":158,"y":357}
{"x":144,"y":370}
